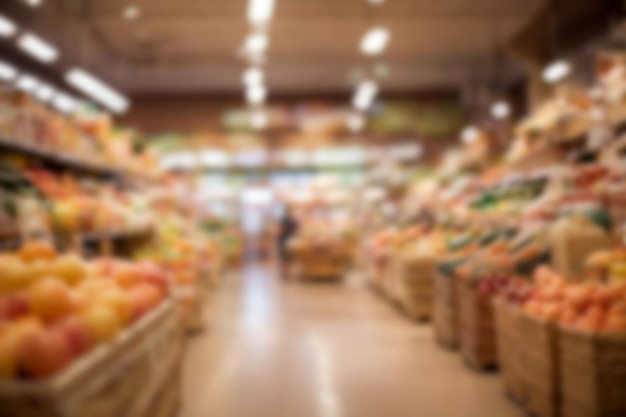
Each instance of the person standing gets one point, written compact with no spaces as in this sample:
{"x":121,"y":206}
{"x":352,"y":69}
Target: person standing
{"x":288,"y":227}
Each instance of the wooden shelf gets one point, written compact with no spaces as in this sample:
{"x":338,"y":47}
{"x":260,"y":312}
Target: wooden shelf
{"x":59,"y":160}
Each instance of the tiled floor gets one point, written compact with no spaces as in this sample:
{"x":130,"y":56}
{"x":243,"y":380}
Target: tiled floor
{"x":277,"y":349}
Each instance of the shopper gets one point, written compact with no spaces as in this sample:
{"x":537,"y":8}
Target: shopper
{"x":288,"y":227}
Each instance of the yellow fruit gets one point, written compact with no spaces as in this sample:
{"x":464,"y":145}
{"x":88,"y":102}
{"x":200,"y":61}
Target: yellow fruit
{"x":70,"y":269}
{"x":102,"y":321}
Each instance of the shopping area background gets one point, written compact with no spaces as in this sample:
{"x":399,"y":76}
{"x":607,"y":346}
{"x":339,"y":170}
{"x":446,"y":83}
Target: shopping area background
{"x":312,"y":208}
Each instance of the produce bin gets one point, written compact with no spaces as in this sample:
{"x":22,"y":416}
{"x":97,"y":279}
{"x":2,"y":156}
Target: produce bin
{"x":125,"y":377}
{"x":539,"y":363}
{"x":445,"y":311}
{"x":509,"y":347}
{"x":477,"y":337}
{"x":593,"y":373}
{"x":413,"y":284}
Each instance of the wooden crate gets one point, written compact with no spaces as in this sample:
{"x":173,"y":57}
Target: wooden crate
{"x":416,"y":275}
{"x":445,"y":314}
{"x":540,"y":365}
{"x":121,"y":378}
{"x":593,"y":373}
{"x":509,"y":342}
{"x":477,"y":338}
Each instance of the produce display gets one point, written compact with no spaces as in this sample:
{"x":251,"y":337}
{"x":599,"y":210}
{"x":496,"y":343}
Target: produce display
{"x":530,"y":271}
{"x":55,"y":308}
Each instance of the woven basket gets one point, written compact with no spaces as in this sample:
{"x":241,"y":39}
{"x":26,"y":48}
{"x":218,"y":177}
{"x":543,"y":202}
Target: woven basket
{"x":121,"y":378}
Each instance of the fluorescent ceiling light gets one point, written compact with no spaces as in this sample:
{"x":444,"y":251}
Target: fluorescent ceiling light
{"x":44,"y":93}
{"x":376,"y":1}
{"x":256,"y":43}
{"x":7,"y":27}
{"x":365,"y":94}
{"x":256,"y":94}
{"x":33,"y":3}
{"x":260,"y":11}
{"x":500,"y":110}
{"x":27,"y":83}
{"x":64,"y":103}
{"x":98,"y":90}
{"x":258,"y":120}
{"x":253,"y":76}
{"x":374,"y":41}
{"x":469,"y":134}
{"x":7,"y":71}
{"x":131,"y":12}
{"x":37,"y":48}
{"x":556,"y":71}
{"x":355,"y":123}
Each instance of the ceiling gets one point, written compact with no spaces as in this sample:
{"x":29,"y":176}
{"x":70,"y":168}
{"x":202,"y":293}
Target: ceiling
{"x":191,"y":45}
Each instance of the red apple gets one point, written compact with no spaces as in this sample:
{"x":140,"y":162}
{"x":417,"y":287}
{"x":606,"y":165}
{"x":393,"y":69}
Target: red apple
{"x":76,"y":334}
{"x":144,"y":297}
{"x":44,"y":353}
{"x":14,"y":305}
{"x":154,"y":275}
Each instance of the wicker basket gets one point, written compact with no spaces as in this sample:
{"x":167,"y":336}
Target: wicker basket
{"x":593,"y":374}
{"x":540,"y":365}
{"x":477,"y":337}
{"x":509,"y":342}
{"x":445,"y":314}
{"x":122,"y":378}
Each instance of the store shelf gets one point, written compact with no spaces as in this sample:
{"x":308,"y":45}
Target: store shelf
{"x":58,"y":160}
{"x":118,"y":235}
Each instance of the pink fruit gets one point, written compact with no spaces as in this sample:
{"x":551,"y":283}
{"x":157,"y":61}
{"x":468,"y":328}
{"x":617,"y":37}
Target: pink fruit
{"x":44,"y":353}
{"x":13,"y":306}
{"x":76,"y":334}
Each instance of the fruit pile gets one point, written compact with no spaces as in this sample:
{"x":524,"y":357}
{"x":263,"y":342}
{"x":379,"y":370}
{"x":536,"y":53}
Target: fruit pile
{"x":55,"y":308}
{"x":588,"y":306}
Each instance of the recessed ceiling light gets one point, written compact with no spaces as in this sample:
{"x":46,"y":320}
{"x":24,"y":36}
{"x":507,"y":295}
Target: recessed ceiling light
{"x":500,"y":110}
{"x":131,"y":12}
{"x":7,"y":27}
{"x":556,"y":71}
{"x":7,"y":71}
{"x":26,"y":83}
{"x":256,"y":94}
{"x":256,"y":43}
{"x":253,"y":76}
{"x":98,"y":90}
{"x":376,"y":1}
{"x":260,"y":11}
{"x":375,"y":41}
{"x":365,"y":94}
{"x":37,"y":48}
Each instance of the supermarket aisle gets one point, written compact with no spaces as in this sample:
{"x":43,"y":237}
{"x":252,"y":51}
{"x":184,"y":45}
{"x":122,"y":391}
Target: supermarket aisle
{"x":317,"y":350}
